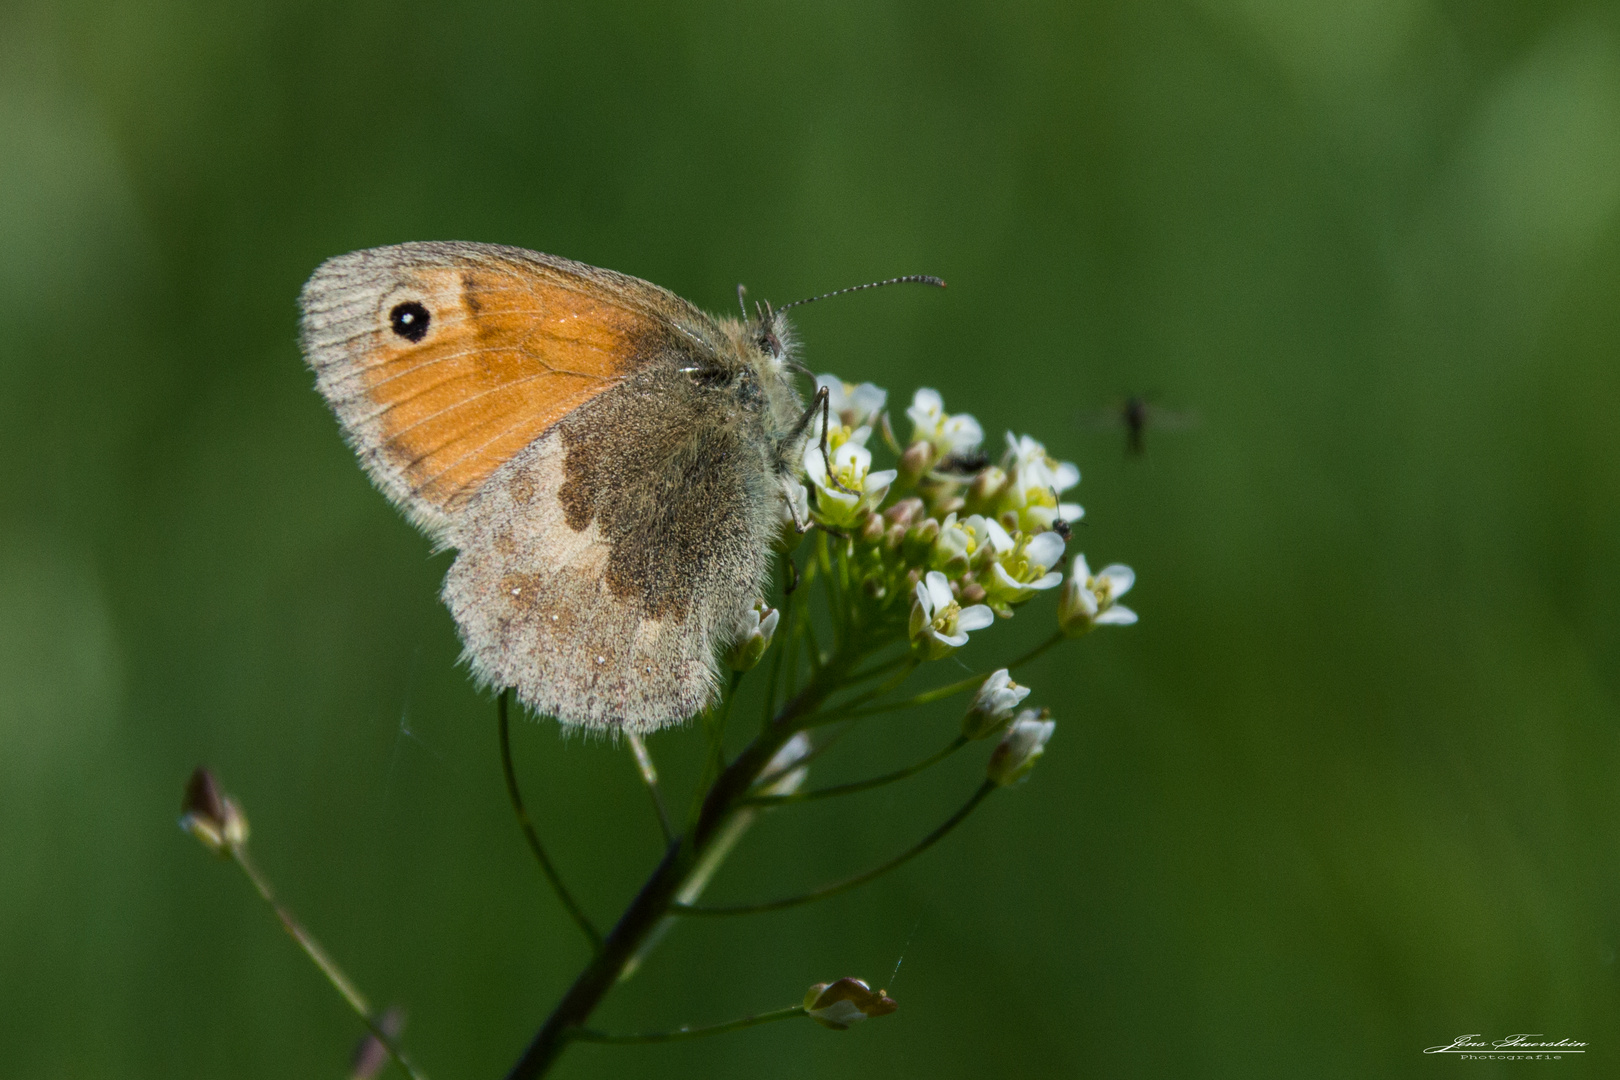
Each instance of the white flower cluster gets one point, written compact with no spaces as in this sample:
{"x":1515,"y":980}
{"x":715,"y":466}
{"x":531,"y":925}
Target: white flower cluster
{"x":962,"y":538}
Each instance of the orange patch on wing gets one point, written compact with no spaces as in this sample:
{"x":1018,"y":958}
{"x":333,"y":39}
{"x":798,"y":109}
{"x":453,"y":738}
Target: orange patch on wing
{"x":506,"y":356}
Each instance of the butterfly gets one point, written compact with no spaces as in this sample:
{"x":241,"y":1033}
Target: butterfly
{"x":611,"y":465}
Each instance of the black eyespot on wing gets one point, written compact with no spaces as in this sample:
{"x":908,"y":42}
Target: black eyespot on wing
{"x":410,"y":320}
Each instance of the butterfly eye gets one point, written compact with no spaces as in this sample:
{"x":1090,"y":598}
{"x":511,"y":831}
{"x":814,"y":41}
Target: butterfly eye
{"x":410,"y":320}
{"x":769,"y":343}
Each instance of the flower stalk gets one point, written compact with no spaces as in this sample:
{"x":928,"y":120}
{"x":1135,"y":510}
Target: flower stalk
{"x":503,"y":721}
{"x":219,"y":824}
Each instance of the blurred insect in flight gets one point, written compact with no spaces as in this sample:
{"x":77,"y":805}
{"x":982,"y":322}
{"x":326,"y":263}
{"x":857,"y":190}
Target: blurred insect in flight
{"x":1135,"y":414}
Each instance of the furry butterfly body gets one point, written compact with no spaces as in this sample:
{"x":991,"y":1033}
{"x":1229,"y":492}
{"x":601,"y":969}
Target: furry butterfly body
{"x":608,"y":461}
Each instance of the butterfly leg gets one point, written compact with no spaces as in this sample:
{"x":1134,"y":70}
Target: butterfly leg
{"x":803,"y":525}
{"x":820,"y":402}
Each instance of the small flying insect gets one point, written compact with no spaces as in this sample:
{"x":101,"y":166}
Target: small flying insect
{"x":1135,"y":414}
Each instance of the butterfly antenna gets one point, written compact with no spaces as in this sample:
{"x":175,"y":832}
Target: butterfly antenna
{"x":917,"y":279}
{"x":742,"y":291}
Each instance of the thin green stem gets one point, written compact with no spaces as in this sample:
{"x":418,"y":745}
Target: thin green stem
{"x":586,"y":1035}
{"x":926,"y":698}
{"x":790,"y":626}
{"x":860,"y":785}
{"x":1036,"y":651}
{"x":835,"y":607}
{"x":848,"y":711}
{"x":842,"y":711}
{"x":576,"y":912}
{"x":328,"y":967}
{"x":848,"y":883}
{"x":649,"y":777}
{"x":658,"y":894}
{"x":714,"y":727}
{"x":878,"y":669}
{"x":812,"y":646}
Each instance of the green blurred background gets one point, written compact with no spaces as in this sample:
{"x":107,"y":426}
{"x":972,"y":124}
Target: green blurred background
{"x":1347,"y":791}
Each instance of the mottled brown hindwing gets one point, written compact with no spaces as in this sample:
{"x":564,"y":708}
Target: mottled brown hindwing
{"x":601,"y":568}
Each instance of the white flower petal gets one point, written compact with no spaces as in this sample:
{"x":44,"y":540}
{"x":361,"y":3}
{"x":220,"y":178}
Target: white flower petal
{"x":1071,"y":511}
{"x":868,"y":400}
{"x":1065,"y":476}
{"x":880,"y":479}
{"x":852,"y":455}
{"x":925,"y":601}
{"x":939,"y":589}
{"x":998,"y":536}
{"x":1003,"y":579}
{"x":1119,"y":577}
{"x":1081,"y":572}
{"x":815,"y":465}
{"x":1117,"y":616}
{"x":926,"y":412}
{"x":1046,"y":549}
{"x":956,"y":640}
{"x":1046,"y":581}
{"x":973,"y":618}
{"x":963,"y":432}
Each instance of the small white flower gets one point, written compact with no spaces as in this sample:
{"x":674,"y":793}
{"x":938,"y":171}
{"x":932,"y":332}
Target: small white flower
{"x":753,"y":636}
{"x":998,"y":696}
{"x":938,"y":623}
{"x":931,"y":424}
{"x":1035,"y":480}
{"x":1025,"y":741}
{"x":1023,"y":569}
{"x":855,"y":406}
{"x":1088,"y":601}
{"x":851,"y":486}
{"x":973,"y":540}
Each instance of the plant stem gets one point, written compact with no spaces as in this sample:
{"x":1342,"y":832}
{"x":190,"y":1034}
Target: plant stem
{"x":649,"y":777}
{"x":657,"y":896}
{"x":312,"y":948}
{"x":848,"y":711}
{"x":576,"y":912}
{"x":859,"y":879}
{"x":860,"y":785}
{"x":585,"y":1035}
